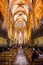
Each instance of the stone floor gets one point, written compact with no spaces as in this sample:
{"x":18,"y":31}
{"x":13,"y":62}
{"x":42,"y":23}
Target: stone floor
{"x":21,"y":58}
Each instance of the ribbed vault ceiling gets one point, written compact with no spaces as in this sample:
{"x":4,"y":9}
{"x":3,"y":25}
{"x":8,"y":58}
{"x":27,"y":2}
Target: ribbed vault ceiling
{"x":21,"y":13}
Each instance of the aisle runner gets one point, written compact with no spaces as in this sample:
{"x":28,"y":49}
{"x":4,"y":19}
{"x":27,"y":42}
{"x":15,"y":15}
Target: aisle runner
{"x":20,"y":58}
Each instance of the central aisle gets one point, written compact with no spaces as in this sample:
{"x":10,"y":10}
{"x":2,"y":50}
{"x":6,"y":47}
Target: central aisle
{"x":21,"y":58}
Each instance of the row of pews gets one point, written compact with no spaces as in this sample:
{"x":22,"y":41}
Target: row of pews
{"x":8,"y":55}
{"x":38,"y":61}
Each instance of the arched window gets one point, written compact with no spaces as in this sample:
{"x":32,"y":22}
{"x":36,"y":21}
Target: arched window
{"x":1,"y":19}
{"x":42,"y":21}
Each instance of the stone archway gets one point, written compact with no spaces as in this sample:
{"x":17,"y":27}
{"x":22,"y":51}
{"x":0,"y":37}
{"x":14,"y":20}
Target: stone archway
{"x":20,"y":33}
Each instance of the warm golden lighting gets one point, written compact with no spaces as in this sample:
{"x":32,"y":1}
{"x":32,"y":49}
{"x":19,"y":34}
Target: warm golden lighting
{"x":20,"y":16}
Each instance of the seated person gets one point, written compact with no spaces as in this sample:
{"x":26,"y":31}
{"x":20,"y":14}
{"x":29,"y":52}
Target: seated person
{"x":35,"y":55}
